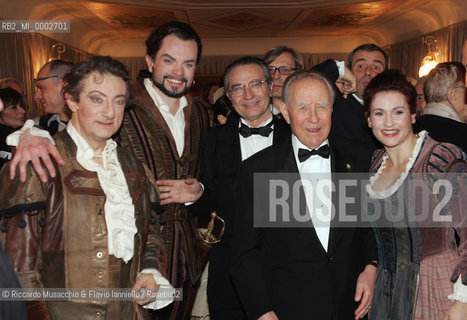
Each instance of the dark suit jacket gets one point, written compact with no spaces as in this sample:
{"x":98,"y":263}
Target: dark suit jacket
{"x":221,"y":161}
{"x":287,"y":270}
{"x":348,"y":118}
{"x":443,"y":129}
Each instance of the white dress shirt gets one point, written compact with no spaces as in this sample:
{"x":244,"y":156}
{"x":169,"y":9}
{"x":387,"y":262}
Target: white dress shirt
{"x":176,"y":123}
{"x":315,"y":173}
{"x":358,"y":98}
{"x":54,"y":117}
{"x":254,"y":143}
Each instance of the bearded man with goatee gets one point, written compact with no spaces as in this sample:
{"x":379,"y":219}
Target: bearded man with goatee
{"x":165,"y":128}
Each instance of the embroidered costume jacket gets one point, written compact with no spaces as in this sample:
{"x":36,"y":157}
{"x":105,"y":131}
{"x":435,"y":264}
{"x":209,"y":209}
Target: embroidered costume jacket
{"x":147,"y":135}
{"x":57,"y":236}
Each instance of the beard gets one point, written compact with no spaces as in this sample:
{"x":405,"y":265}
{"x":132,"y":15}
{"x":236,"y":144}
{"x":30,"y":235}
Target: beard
{"x":169,"y":93}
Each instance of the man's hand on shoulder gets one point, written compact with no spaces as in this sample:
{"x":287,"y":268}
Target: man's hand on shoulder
{"x":33,"y":148}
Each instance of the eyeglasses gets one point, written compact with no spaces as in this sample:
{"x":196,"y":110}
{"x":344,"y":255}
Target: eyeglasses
{"x":239,"y":89}
{"x":283,"y":70}
{"x":48,"y":77}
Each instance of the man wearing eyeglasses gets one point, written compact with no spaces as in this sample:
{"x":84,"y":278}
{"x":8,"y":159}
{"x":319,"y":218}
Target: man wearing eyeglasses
{"x":249,"y":129}
{"x":49,"y":83}
{"x":282,"y":61}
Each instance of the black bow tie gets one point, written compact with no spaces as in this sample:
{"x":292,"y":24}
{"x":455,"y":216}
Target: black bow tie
{"x":247,"y":131}
{"x":304,"y":154}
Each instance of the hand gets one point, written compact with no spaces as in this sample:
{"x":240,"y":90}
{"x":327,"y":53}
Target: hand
{"x":271,"y":315}
{"x":33,"y":148}
{"x":458,"y":311}
{"x":179,"y":191}
{"x":145,"y":281}
{"x":365,"y":290}
{"x":348,"y":83}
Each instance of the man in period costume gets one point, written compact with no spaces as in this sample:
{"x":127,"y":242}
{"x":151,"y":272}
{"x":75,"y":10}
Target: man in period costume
{"x":164,"y":128}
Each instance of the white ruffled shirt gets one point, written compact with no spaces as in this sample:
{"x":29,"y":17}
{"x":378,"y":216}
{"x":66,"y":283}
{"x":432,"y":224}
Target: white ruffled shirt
{"x":176,"y":123}
{"x":118,"y":207}
{"x":459,"y":290}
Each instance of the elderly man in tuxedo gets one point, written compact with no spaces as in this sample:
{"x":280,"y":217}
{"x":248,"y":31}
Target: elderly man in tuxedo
{"x":303,"y":271}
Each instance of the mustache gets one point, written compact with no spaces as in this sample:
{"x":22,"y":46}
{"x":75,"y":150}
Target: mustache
{"x":176,"y":78}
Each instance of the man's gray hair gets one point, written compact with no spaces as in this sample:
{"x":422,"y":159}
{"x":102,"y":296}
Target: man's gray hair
{"x":275,"y":52}
{"x":444,"y":76}
{"x":244,"y":61}
{"x":59,"y":67}
{"x":304,"y":75}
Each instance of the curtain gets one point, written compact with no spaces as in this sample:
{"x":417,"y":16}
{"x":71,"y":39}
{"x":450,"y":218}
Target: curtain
{"x":408,"y":55}
{"x":23,"y":54}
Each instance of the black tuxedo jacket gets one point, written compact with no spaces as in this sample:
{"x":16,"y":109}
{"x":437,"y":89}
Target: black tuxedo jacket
{"x":220,"y":166}
{"x":348,"y":118}
{"x":287,"y":270}
{"x":443,"y":129}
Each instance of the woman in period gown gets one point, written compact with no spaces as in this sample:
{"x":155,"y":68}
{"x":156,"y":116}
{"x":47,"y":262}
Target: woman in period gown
{"x":422,"y":271}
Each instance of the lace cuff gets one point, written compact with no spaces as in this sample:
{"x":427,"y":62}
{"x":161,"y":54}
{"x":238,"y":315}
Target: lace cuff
{"x":164,"y":299}
{"x":460,"y":291}
{"x":13,"y":139}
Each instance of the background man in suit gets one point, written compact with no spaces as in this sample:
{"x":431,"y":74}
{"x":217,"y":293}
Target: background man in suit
{"x":348,"y":120}
{"x":248,"y":130}
{"x":295,"y":273}
{"x":445,"y":116}
{"x":49,"y":85}
{"x":282,"y":61}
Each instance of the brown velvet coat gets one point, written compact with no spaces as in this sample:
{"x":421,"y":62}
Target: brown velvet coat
{"x":146,"y":134}
{"x":71,"y":249}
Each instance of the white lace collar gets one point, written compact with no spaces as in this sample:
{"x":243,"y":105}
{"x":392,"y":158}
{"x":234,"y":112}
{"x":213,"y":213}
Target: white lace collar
{"x":396,"y":185}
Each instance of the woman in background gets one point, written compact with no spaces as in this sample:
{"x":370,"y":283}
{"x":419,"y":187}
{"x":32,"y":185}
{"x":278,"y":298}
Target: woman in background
{"x":422,"y":272}
{"x":11,"y":118}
